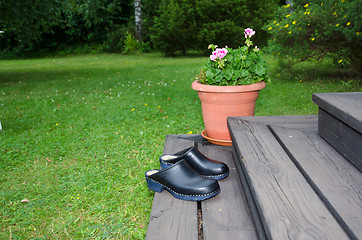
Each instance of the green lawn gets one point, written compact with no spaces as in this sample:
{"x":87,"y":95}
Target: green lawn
{"x":79,"y":132}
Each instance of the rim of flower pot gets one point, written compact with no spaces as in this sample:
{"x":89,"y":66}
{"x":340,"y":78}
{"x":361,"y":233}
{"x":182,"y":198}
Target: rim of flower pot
{"x":196,"y":85}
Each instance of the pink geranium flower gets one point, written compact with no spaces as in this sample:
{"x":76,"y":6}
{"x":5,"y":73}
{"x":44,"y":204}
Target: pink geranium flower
{"x":249,"y":32}
{"x":219,"y":53}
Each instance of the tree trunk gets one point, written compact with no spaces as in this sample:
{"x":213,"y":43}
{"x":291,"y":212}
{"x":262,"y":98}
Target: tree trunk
{"x":290,"y":2}
{"x":138,"y":19}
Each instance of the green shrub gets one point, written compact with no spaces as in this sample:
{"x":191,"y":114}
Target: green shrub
{"x":226,"y":33}
{"x":316,"y":28}
{"x":131,"y":45}
{"x":122,"y":40}
{"x":31,"y":27}
{"x":114,"y":42}
{"x":184,"y":25}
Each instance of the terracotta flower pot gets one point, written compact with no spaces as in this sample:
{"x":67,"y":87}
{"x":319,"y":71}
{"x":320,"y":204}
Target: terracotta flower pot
{"x":220,"y":102}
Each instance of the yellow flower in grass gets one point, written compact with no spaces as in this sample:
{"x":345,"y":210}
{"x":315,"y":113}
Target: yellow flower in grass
{"x":289,"y":32}
{"x":189,"y":132}
{"x":322,"y":4}
{"x":132,"y":109}
{"x":340,"y":61}
{"x":270,"y":28}
{"x":312,"y":39}
{"x":286,"y":26}
{"x":294,"y":22}
{"x":349,"y":23}
{"x":306,"y":5}
{"x":287,"y":16}
{"x":337,"y":24}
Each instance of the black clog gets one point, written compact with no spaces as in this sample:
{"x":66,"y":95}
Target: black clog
{"x":204,"y":166}
{"x":183,"y":182}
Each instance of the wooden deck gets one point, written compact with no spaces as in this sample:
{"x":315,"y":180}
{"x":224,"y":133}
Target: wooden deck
{"x":286,"y":182}
{"x":225,"y":216}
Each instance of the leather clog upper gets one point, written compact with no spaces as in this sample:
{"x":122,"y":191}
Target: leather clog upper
{"x":182,"y":180}
{"x":203,"y":165}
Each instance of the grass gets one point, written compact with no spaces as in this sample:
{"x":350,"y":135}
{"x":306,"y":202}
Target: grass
{"x":79,"y":132}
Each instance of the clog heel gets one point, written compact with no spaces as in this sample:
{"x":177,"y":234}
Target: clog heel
{"x":152,"y":185}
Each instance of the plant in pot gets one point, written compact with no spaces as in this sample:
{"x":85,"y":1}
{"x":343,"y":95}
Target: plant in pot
{"x":228,"y":85}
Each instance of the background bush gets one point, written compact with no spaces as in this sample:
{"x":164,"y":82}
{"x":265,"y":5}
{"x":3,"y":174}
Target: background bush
{"x":36,"y":28}
{"x":315,"y":28}
{"x":31,"y":27}
{"x":184,"y":25}
{"x":306,"y":29}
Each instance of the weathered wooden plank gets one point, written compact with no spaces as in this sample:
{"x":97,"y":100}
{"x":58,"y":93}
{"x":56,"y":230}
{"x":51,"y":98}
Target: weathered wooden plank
{"x":172,"y":218}
{"x":291,"y":121}
{"x":226,"y":216}
{"x":342,"y":137}
{"x":337,"y":182}
{"x":340,"y":123}
{"x":347,"y":107}
{"x":249,"y":199}
{"x":288,"y":206}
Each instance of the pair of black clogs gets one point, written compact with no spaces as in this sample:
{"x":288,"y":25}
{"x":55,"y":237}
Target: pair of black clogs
{"x":187,"y":175}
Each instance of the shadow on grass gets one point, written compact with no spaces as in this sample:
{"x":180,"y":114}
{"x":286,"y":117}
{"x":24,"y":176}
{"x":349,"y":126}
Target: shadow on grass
{"x":12,"y":78}
{"x":316,"y":71}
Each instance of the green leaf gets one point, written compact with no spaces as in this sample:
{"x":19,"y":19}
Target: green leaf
{"x":244,"y":73}
{"x":218,"y":78}
{"x":236,"y":75}
{"x":259,"y":69}
{"x":212,"y":72}
{"x":247,"y":63}
{"x":228,"y":74}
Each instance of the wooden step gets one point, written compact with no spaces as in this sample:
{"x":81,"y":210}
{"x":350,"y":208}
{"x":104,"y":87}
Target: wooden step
{"x":340,"y":123}
{"x":225,"y":216}
{"x":297,"y":185}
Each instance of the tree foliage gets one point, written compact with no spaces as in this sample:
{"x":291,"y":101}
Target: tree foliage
{"x":188,"y":24}
{"x":32,"y":25}
{"x":312,"y":29}
{"x":89,"y":20}
{"x":23,"y":22}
